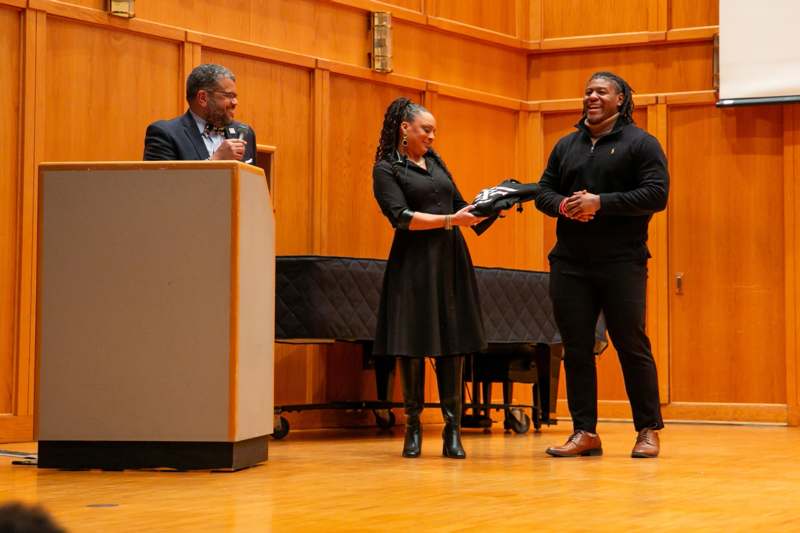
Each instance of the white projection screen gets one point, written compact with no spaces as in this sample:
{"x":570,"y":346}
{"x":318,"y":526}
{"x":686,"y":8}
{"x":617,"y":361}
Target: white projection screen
{"x":759,"y":56}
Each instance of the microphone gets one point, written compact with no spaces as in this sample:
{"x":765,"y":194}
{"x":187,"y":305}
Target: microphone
{"x":242,"y":130}
{"x":239,"y":131}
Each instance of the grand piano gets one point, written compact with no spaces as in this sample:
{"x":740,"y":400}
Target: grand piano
{"x":325,"y":299}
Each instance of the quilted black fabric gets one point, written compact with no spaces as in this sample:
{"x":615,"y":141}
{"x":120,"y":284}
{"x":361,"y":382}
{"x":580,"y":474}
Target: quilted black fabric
{"x":516,"y":306}
{"x":337,"y":298}
{"x":327,"y":297}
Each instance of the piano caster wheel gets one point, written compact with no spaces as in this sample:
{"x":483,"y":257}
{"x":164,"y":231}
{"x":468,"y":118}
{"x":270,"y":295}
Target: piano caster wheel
{"x":281,"y":428}
{"x":384,"y":418}
{"x":517,"y":421}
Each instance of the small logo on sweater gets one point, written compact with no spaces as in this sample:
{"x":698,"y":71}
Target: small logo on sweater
{"x":612,"y":151}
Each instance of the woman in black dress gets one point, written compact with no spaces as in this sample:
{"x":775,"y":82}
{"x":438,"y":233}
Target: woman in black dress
{"x":429,"y":302}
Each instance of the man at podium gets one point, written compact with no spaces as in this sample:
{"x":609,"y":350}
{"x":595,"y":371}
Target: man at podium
{"x":207,"y":130}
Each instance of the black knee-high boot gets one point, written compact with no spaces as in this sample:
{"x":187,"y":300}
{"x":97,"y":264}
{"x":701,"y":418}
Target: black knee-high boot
{"x":413,"y":371}
{"x":449,"y":376}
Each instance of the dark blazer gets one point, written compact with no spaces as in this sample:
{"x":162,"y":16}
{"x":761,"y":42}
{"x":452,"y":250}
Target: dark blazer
{"x":180,"y":140}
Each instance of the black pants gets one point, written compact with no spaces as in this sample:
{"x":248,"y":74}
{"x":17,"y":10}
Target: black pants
{"x":579,"y":292}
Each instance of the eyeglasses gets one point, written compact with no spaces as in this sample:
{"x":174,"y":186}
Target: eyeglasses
{"x":229,"y":96}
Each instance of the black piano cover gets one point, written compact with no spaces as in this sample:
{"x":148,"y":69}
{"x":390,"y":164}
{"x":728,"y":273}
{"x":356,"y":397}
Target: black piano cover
{"x":336,"y":298}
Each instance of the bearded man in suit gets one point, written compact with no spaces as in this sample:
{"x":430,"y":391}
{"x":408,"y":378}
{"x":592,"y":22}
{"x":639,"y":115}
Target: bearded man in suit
{"x":207,"y":130}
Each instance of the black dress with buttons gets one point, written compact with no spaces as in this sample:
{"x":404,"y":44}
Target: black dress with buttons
{"x":429,"y":302}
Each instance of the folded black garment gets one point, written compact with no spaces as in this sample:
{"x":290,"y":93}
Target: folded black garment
{"x":494,"y":200}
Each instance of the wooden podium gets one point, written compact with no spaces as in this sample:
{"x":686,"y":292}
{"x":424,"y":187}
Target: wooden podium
{"x":155,"y":315}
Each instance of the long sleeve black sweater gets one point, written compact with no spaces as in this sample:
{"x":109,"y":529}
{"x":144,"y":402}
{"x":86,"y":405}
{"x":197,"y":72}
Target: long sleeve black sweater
{"x":628,"y":170}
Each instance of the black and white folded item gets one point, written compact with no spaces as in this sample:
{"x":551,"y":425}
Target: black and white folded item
{"x":493,"y":201}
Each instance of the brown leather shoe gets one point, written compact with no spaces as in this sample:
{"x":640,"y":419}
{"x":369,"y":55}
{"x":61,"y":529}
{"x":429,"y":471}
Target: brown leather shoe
{"x":647,"y":444}
{"x":579,"y":443}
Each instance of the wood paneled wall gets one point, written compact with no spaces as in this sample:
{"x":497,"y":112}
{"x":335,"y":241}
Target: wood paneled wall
{"x":355,"y":117}
{"x":727,"y":240}
{"x":499,"y":16}
{"x":570,"y":18}
{"x":504,"y":82}
{"x":281,"y":116}
{"x":97,"y":99}
{"x":10,"y":131}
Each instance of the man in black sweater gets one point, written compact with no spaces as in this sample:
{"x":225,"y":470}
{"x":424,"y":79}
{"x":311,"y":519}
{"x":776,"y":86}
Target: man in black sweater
{"x":604,"y":182}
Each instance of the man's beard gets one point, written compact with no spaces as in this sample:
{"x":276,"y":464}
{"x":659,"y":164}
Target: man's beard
{"x":217,"y":116}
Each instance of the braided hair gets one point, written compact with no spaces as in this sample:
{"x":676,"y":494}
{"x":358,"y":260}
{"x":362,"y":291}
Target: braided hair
{"x":400,"y":110}
{"x":626,"y":108}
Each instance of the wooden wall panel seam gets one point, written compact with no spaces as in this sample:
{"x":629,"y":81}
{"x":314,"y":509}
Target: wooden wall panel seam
{"x":791,"y":251}
{"x":536,"y":23}
{"x":39,"y":213}
{"x":576,"y":104}
{"x":479,"y":97}
{"x":536,"y":140}
{"x":254,"y":50}
{"x":795,"y":128}
{"x":364,"y":73}
{"x":523,"y":158}
{"x":521,"y":20}
{"x":27,"y":81}
{"x":475,"y":32}
{"x":659,"y":265}
{"x":663,"y":273}
{"x":652,"y":16}
{"x":193,"y":37}
{"x":320,"y":147}
{"x":553,"y":44}
{"x":700,"y":33}
{"x":102,"y":18}
{"x":430,"y":98}
{"x":32,"y":81}
{"x":565,"y":104}
{"x":401,"y":13}
{"x":756,"y":413}
{"x":532,"y":141}
{"x":190,"y":58}
{"x":39,"y":148}
{"x":662,"y":15}
{"x":688,"y":97}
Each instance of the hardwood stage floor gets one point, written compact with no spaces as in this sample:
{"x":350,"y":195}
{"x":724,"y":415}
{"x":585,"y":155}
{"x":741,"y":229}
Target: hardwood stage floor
{"x":712,"y":478}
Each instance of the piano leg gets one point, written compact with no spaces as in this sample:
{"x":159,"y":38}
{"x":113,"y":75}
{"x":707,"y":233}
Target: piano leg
{"x":486,"y":394}
{"x":476,"y":393}
{"x":548,"y":363}
{"x":478,"y":408}
{"x":384,"y":383}
{"x":384,"y":377}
